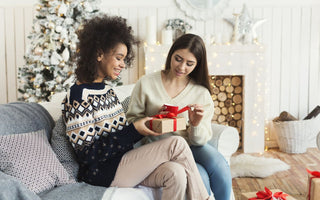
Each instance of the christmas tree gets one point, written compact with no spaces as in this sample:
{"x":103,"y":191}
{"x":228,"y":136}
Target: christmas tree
{"x":49,"y":59}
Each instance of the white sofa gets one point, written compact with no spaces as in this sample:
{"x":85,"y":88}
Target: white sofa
{"x":225,"y":138}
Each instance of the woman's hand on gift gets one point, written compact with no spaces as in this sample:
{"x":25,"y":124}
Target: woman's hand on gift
{"x":163,"y":110}
{"x":195,"y":114}
{"x":141,"y":127}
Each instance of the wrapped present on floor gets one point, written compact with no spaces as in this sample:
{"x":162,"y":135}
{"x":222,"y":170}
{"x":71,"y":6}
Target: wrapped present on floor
{"x":266,"y":195}
{"x":313,"y":189}
{"x":165,"y":123}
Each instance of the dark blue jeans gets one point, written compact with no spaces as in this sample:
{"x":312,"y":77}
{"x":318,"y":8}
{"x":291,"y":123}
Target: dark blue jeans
{"x":214,"y":170}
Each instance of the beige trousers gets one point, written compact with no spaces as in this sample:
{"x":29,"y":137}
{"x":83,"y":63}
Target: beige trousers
{"x":167,"y":163}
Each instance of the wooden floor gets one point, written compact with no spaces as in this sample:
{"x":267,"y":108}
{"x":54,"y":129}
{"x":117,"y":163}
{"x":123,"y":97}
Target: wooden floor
{"x":292,"y":181}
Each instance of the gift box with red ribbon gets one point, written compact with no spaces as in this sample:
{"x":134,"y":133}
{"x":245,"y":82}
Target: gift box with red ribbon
{"x":166,"y":125}
{"x":266,"y":195}
{"x":169,"y":122}
{"x":313,"y":190}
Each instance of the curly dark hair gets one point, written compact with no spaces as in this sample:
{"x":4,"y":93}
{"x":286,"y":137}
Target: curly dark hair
{"x":100,"y":35}
{"x":196,"y":46}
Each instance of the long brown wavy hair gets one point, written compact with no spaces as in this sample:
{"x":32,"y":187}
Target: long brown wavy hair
{"x":196,"y":46}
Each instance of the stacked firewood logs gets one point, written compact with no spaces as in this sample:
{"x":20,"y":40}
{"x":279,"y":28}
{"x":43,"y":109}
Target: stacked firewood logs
{"x":227,"y":95}
{"x":286,"y":116}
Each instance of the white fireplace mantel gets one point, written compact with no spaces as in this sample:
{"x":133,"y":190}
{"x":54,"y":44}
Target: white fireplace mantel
{"x":244,"y":60}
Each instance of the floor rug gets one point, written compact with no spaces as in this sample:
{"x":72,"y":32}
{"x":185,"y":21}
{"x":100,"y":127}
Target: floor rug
{"x":245,"y":165}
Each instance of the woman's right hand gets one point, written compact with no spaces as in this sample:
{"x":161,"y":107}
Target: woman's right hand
{"x":141,"y":127}
{"x":163,"y":110}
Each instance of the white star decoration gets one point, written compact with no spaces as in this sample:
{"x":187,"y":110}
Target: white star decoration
{"x":246,"y":25}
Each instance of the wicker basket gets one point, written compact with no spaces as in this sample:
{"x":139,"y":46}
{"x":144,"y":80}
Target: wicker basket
{"x":294,"y":136}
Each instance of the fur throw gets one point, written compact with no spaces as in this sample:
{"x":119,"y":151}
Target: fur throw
{"x":245,"y":165}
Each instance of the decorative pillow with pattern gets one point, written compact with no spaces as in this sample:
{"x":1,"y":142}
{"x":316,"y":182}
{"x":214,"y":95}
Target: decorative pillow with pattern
{"x":63,"y":149}
{"x":29,"y":158}
{"x":125,"y":104}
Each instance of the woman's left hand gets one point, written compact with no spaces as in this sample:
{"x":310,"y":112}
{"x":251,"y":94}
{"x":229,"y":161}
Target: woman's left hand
{"x":195,"y":114}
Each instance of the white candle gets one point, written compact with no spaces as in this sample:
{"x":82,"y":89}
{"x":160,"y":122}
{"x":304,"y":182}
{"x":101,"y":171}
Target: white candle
{"x":166,"y":36}
{"x":151,"y":30}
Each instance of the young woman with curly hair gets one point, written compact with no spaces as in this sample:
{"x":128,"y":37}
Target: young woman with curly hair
{"x":97,"y":128}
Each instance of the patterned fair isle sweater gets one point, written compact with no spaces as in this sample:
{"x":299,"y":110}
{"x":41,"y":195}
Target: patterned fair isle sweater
{"x":98,"y":130}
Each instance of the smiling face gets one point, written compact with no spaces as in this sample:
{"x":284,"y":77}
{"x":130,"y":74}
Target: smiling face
{"x":182,"y":63}
{"x":111,"y":63}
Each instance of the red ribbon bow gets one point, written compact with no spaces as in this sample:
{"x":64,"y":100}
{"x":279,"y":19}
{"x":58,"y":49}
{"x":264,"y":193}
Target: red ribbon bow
{"x":315,"y":174}
{"x":170,"y":115}
{"x":267,"y":195}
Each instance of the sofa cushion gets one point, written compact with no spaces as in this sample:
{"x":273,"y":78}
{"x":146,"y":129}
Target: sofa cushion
{"x":22,"y":117}
{"x":123,"y":91}
{"x":29,"y":157}
{"x":12,"y":189}
{"x":63,"y":149}
{"x":75,"y":191}
{"x":125,"y":104}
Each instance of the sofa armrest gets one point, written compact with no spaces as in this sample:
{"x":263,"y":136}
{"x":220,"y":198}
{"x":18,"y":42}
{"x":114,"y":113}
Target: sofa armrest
{"x":225,"y":139}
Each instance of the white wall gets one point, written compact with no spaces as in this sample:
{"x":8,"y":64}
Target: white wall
{"x":291,"y":36}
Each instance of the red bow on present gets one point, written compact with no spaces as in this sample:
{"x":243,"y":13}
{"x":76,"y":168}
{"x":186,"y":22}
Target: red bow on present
{"x":267,"y":195}
{"x":315,"y":174}
{"x":171,"y":115}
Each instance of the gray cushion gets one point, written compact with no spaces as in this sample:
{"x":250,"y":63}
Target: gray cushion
{"x":12,"y":189}
{"x":74,"y":191}
{"x":125,"y":104}
{"x":63,"y":149}
{"x":22,"y":117}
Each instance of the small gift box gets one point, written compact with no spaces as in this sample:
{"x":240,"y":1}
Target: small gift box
{"x":266,"y":195}
{"x":169,"y":122}
{"x":313,"y":191}
{"x":166,"y":125}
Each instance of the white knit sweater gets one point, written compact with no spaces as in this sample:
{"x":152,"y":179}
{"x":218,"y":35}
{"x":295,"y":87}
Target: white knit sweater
{"x":149,"y":95}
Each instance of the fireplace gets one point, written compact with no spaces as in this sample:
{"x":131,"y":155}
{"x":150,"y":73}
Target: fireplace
{"x":227,"y":96}
{"x":245,"y":65}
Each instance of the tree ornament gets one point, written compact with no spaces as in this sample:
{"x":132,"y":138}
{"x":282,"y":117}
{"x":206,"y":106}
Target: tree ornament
{"x":38,"y":7}
{"x":51,"y":25}
{"x":37,"y":27}
{"x":26,"y":95}
{"x":58,"y":79}
{"x":62,"y":64}
{"x":55,"y":58}
{"x":65,"y":54}
{"x":38,"y":51}
{"x":73,"y":46}
{"x":87,"y":7}
{"x":59,"y":29}
{"x":62,"y":11}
